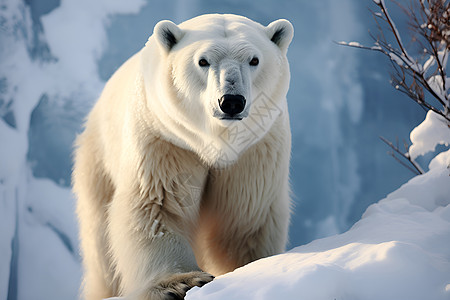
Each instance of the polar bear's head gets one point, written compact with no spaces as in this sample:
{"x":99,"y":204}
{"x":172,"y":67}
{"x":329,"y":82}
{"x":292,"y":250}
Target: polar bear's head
{"x":217,"y":83}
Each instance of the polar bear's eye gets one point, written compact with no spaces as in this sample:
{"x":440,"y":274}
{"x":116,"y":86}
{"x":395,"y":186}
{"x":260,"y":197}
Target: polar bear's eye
{"x":203,"y":63}
{"x":254,"y":61}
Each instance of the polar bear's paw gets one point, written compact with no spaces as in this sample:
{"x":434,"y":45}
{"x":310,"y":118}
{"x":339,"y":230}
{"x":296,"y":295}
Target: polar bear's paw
{"x":176,"y":286}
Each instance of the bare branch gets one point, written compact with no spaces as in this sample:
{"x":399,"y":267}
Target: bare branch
{"x":359,"y":46}
{"x":430,"y":24}
{"x":417,"y":169}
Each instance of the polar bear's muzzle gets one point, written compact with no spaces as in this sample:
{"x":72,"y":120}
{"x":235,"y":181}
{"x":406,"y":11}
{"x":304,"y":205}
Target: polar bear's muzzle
{"x":231,"y":106}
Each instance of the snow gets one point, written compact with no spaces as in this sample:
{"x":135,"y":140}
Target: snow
{"x":400,"y":249}
{"x":429,"y":63}
{"x":72,"y":26}
{"x":351,"y":44}
{"x":396,"y":58}
{"x":355,"y":44}
{"x":430,"y":133}
{"x":443,"y":57}
{"x":435,"y":82}
{"x":38,"y":244}
{"x":49,"y":224}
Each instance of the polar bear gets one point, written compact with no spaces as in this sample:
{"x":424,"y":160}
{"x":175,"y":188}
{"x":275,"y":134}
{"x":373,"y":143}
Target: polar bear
{"x":181,"y":172}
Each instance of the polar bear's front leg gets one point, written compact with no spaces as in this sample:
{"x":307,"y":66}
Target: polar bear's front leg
{"x":151,"y":217}
{"x":152,"y":262}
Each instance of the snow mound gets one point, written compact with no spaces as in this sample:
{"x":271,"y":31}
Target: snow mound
{"x":430,"y":133}
{"x":400,"y":249}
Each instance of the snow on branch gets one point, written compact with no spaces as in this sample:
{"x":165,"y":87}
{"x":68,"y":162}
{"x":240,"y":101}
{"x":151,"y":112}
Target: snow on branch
{"x":422,"y":77}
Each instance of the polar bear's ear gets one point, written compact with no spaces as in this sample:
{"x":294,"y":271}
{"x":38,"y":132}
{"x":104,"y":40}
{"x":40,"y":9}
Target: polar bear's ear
{"x":167,"y":34}
{"x":281,"y":33}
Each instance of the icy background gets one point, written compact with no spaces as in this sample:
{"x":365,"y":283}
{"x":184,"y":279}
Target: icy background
{"x":55,"y":57}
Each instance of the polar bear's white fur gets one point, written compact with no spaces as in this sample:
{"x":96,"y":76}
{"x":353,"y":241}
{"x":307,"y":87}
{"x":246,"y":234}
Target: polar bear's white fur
{"x":182,"y":169}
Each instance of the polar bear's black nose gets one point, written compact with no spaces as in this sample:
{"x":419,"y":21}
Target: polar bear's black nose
{"x":232,"y":104}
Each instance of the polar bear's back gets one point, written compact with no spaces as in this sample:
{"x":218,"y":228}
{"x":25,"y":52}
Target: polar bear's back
{"x":104,"y":134}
